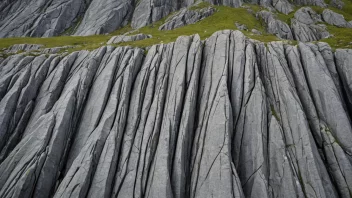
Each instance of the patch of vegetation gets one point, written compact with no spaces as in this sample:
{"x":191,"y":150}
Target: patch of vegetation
{"x":286,"y":18}
{"x":341,"y":37}
{"x":224,"y":18}
{"x":274,"y":113}
{"x":199,"y":6}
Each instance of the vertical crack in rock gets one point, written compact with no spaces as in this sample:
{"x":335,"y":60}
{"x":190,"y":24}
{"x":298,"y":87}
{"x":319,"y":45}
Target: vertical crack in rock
{"x":250,"y":141}
{"x":105,"y":17}
{"x":112,"y":121}
{"x":213,"y":172}
{"x":286,"y":106}
{"x":224,"y":117}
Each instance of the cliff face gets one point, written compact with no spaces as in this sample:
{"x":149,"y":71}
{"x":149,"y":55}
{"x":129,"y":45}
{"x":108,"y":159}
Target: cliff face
{"x":47,"y":18}
{"x":227,"y":117}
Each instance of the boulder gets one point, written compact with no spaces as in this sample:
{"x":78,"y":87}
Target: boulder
{"x":334,"y":18}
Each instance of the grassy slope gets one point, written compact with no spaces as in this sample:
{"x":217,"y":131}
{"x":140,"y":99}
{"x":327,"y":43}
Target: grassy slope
{"x":224,"y":18}
{"x":342,"y":37}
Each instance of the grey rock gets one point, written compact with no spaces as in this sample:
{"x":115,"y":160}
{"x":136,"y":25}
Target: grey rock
{"x":343,"y":60}
{"x":275,"y":26}
{"x":22,"y":48}
{"x":150,"y":11}
{"x":112,"y":120}
{"x":285,"y":106}
{"x":249,"y":128}
{"x":307,"y":16}
{"x":334,"y":18}
{"x":304,"y":32}
{"x":280,"y":29}
{"x":124,"y":38}
{"x":337,"y":4}
{"x":241,"y":26}
{"x":224,"y":117}
{"x":319,"y":3}
{"x":185,"y":17}
{"x":283,"y":6}
{"x":266,"y":16}
{"x":214,"y":174}
{"x":39,"y":18}
{"x":105,"y":17}
{"x":255,"y":31}
{"x":231,"y":3}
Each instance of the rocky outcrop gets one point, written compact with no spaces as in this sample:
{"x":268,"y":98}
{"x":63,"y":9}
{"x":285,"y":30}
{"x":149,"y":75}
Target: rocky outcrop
{"x":336,"y":19}
{"x":224,"y":117}
{"x":105,"y":17}
{"x":275,"y":26}
{"x":312,"y":32}
{"x":22,"y":48}
{"x":319,"y":3}
{"x":126,"y":38}
{"x":304,"y":25}
{"x":283,"y":6}
{"x":186,"y":17}
{"x":89,"y":17}
{"x":39,"y":18}
{"x":33,"y":49}
{"x":149,"y":11}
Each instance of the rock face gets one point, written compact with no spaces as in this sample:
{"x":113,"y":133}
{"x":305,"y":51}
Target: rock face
{"x":39,"y":18}
{"x":186,"y":17}
{"x":304,"y":25}
{"x":125,"y":38}
{"x":46,"y":18}
{"x":105,"y":16}
{"x":336,"y":19}
{"x":224,"y":117}
{"x":275,"y":26}
{"x":22,"y":48}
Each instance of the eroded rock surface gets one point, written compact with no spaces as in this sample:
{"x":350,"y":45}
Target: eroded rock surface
{"x":305,"y":25}
{"x":127,"y":38}
{"x":186,"y":17}
{"x":275,"y":26}
{"x":334,"y":18}
{"x":224,"y":117}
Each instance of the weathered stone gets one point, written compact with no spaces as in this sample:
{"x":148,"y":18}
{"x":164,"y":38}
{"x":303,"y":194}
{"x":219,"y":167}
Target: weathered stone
{"x":334,"y":18}
{"x":275,"y":26}
{"x":241,"y":26}
{"x":22,"y":48}
{"x":105,"y":16}
{"x":255,"y":31}
{"x":283,"y":6}
{"x":224,"y":117}
{"x":185,"y":17}
{"x":124,"y":38}
{"x":304,"y":32}
{"x":307,"y":16}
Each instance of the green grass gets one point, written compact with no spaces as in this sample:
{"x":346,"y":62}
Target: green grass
{"x":342,"y":37}
{"x":199,"y":6}
{"x":223,"y":18}
{"x":286,"y":18}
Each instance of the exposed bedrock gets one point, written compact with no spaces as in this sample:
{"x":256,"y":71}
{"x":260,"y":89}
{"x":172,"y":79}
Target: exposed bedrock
{"x":224,"y":117}
{"x":47,"y":18}
{"x":186,"y":17}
